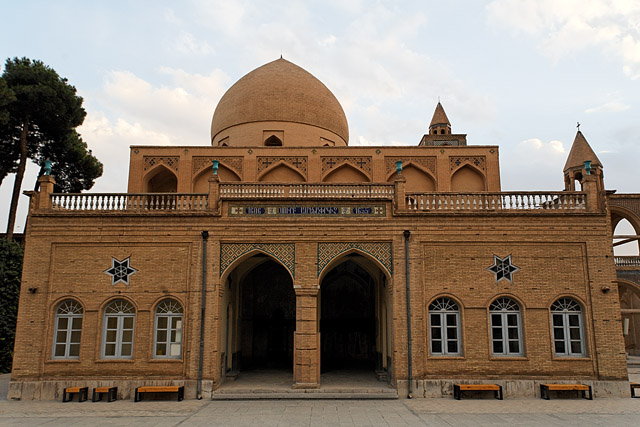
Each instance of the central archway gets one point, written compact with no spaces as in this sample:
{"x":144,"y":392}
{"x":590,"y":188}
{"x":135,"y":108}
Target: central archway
{"x":353,"y":317}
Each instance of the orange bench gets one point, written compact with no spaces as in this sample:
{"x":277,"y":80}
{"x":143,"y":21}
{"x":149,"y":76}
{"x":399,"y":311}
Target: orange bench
{"x":545,"y":388}
{"x":459,"y":388}
{"x":159,"y":389}
{"x":112,"y":393}
{"x":634,"y":386}
{"x":82,"y":393}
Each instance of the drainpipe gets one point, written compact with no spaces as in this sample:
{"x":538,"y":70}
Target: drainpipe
{"x":406,"y":234}
{"x":205,"y":236}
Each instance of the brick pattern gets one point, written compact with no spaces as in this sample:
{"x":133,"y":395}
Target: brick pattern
{"x":299,"y":163}
{"x":362,"y":163}
{"x":428,"y":163}
{"x":171,"y":162}
{"x":234,"y":163}
{"x":283,"y":252}
{"x":459,"y":161}
{"x":381,"y":251}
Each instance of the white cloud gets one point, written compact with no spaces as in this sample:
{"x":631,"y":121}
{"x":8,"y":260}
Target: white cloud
{"x":565,"y":27}
{"x":188,"y":44}
{"x":609,"y":107}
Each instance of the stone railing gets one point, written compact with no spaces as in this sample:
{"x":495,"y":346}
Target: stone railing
{"x":627,"y":261}
{"x":128,"y":202}
{"x":306,"y":191}
{"x":504,"y":201}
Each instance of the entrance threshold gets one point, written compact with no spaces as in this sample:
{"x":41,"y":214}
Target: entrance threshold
{"x":277,"y":384}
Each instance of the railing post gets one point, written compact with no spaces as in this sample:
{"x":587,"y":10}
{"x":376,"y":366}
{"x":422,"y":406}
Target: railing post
{"x":214,"y":192}
{"x":400,"y":193}
{"x":46,"y":188}
{"x":590,"y":187}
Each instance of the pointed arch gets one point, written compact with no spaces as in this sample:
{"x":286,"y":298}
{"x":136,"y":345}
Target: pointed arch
{"x":341,"y":256}
{"x":200,"y":183}
{"x":273,"y":141}
{"x":233,"y":254}
{"x":468,"y":179}
{"x":419,"y":180}
{"x":281,"y":172}
{"x":160,"y":179}
{"x":346,"y":173}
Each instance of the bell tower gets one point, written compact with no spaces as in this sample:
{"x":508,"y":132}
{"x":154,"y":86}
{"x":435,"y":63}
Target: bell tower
{"x":584,"y":167}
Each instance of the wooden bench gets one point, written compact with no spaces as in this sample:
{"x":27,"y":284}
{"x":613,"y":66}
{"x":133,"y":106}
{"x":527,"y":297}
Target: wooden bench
{"x":82,"y":393}
{"x":159,"y":389}
{"x":111,"y":392}
{"x":459,"y":388}
{"x":634,"y":386}
{"x":545,"y":388}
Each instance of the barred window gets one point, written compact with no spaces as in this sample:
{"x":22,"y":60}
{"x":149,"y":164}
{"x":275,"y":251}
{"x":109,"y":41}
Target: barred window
{"x":506,"y":328}
{"x":444,"y":327}
{"x":119,"y":320}
{"x":168,"y":330}
{"x":567,"y":329}
{"x":68,"y":330}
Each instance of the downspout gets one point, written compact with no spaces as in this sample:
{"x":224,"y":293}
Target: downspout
{"x":205,"y":236}
{"x":406,"y":234}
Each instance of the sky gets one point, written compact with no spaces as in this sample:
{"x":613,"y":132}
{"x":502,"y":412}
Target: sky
{"x":518,"y":74}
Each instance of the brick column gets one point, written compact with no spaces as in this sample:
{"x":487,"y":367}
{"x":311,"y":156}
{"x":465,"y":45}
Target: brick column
{"x":214,"y":192}
{"x":590,"y":186}
{"x":400,"y":193}
{"x":306,"y":346}
{"x":46,"y":188}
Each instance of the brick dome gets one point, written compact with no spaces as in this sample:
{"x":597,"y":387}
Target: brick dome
{"x":280,"y":91}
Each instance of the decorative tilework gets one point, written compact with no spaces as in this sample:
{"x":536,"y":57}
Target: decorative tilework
{"x":429,"y":163}
{"x":283,"y":252}
{"x":171,"y":162}
{"x":382,"y":251}
{"x":202,"y":162}
{"x":363,"y":163}
{"x":299,"y":163}
{"x":457,"y":162}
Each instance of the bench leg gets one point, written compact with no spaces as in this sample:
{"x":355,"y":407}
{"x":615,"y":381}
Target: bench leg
{"x":633,"y":392}
{"x":112,"y":394}
{"x":544,"y":392}
{"x":96,"y":397}
{"x":456,"y":392}
{"x":67,"y":397}
{"x":180,"y":394}
{"x":498,"y":393}
{"x":590,"y":394}
{"x":137,"y":396}
{"x":84,"y":394}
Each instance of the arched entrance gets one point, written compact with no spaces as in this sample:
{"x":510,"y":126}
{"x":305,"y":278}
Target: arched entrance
{"x":630,"y":309}
{"x":353,"y":317}
{"x":260,"y":315}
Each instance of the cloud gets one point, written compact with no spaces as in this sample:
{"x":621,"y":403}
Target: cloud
{"x":189,"y":45}
{"x":565,"y":27}
{"x":609,"y":107}
{"x":544,"y":159}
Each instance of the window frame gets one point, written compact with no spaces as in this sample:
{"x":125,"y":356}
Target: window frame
{"x":169,"y":329}
{"x":505,"y":313}
{"x":119,"y":330}
{"x":68,"y":330}
{"x":564,"y":314}
{"x":442,"y":313}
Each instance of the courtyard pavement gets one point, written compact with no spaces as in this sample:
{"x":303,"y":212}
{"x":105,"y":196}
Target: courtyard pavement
{"x":401,"y":412}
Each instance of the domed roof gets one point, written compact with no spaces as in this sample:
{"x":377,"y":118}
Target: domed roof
{"x":280,"y":91}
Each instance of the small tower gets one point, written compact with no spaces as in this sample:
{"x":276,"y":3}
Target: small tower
{"x":440,"y":124}
{"x":440,"y":131}
{"x":582,"y":163}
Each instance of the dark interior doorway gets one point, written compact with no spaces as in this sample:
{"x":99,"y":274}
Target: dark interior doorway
{"x":347,"y":319}
{"x":268,"y":312}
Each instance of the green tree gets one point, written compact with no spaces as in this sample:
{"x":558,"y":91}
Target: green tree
{"x":10,"y":272}
{"x":41,"y":125}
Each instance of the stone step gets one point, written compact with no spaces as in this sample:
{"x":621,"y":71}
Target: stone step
{"x":248,"y":394}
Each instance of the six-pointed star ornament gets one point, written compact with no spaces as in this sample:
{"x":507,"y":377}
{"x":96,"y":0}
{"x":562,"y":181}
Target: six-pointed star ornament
{"x":503,"y":268}
{"x":120,"y":271}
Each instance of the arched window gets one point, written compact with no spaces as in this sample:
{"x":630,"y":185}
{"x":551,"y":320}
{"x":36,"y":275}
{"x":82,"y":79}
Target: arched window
{"x":168,"y":330}
{"x":273,"y":141}
{"x":566,"y":320}
{"x":117,"y":337}
{"x":506,"y":328}
{"x":68,"y":328}
{"x":444,"y":327}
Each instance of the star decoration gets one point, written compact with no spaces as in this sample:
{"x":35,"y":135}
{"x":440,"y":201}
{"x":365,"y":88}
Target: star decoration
{"x":503,"y":268}
{"x":120,"y":271}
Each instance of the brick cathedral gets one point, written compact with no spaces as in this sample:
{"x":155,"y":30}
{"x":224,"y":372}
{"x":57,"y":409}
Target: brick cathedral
{"x":282,"y":248}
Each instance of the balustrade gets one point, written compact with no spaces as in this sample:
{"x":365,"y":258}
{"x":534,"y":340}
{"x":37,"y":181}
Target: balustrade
{"x":128,"y":202}
{"x":560,"y":200}
{"x":306,"y":191}
{"x":627,"y":261}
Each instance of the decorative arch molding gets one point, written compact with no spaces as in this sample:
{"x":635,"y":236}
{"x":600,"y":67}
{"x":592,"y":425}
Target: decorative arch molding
{"x":625,"y":212}
{"x":297,"y":163}
{"x":630,"y":203}
{"x":285,"y":253}
{"x":291,"y":173}
{"x":427,"y":164}
{"x":346,"y":173}
{"x":379,"y":251}
{"x":160,"y":176}
{"x":233,"y":163}
{"x":361,"y":163}
{"x":170,"y":162}
{"x":476,"y":162}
